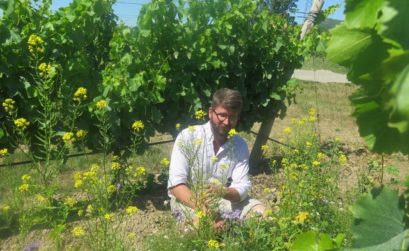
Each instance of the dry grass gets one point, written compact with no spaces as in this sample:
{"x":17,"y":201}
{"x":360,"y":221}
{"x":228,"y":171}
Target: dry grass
{"x":334,"y":111}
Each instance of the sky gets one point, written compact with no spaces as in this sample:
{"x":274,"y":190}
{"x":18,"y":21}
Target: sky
{"x":128,"y":10}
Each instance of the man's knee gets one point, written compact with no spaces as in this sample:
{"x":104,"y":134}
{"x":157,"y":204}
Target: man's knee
{"x":257,"y":210}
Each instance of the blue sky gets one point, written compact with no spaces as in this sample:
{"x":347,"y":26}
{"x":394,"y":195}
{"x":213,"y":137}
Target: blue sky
{"x":128,"y":10}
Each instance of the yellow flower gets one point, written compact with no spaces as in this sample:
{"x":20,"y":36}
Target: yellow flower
{"x":214,"y":159}
{"x":108,"y":216}
{"x":215,"y":181}
{"x":89,"y":209}
{"x":197,"y":142}
{"x":25,"y":178}
{"x":200,"y":214}
{"x":80,"y":213}
{"x":165,"y":162}
{"x":177,"y":126}
{"x":231,"y":133}
{"x":301,"y":217}
{"x":342,"y":159}
{"x":213,"y":244}
{"x":24,"y":187}
{"x":101,"y":104}
{"x":35,"y":44}
{"x":68,"y":137}
{"x":78,"y":183}
{"x":46,"y":69}
{"x":40,"y":198}
{"x":80,"y":94}
{"x":78,"y":231}
{"x":138,"y":126}
{"x":140,"y":171}
{"x":223,"y":166}
{"x":21,"y":123}
{"x":264,"y":149}
{"x":312,"y":112}
{"x":268,"y":212}
{"x":5,"y":208}
{"x":111,"y":189}
{"x":267,"y":190}
{"x":115,"y":166}
{"x":80,"y":134}
{"x":131,"y":210}
{"x":316,"y":163}
{"x":312,"y":118}
{"x":35,"y":40}
{"x":287,"y":130}
{"x":69,"y":201}
{"x":115,"y":158}
{"x":132,"y":236}
{"x":8,"y":104}
{"x":191,"y":128}
{"x":4,"y":152}
{"x":320,"y":156}
{"x":200,"y":114}
{"x":308,"y":144}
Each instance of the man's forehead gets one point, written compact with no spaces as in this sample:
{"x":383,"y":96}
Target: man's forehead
{"x":224,"y":109}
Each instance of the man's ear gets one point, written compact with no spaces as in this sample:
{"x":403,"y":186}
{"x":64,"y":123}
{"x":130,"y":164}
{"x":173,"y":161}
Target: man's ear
{"x":209,"y":111}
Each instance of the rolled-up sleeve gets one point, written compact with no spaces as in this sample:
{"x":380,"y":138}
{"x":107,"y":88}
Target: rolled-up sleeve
{"x":178,"y":169}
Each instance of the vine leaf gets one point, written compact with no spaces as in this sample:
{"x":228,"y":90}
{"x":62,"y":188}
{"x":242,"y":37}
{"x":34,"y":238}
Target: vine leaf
{"x":394,"y":15}
{"x":362,"y":14}
{"x":313,"y":241}
{"x":379,"y":221}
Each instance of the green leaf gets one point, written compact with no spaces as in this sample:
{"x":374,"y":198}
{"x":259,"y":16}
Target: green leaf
{"x":363,"y":13}
{"x":397,"y":243}
{"x":275,"y":96}
{"x":363,"y":49}
{"x":394,"y":15}
{"x":401,"y":86}
{"x":379,"y":219}
{"x":312,"y":241}
{"x":1,"y":133}
{"x":381,"y":113}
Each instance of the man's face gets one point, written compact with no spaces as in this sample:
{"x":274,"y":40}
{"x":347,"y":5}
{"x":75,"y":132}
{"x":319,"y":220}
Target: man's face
{"x":222,"y":120}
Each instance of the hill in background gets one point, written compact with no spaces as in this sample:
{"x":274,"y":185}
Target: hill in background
{"x":328,"y":24}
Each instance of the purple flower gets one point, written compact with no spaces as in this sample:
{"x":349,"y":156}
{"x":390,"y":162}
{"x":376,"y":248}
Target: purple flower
{"x":231,"y":215}
{"x":178,"y":215}
{"x":34,"y":246}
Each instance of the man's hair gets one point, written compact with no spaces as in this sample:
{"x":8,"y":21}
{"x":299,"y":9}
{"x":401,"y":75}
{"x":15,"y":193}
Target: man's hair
{"x":230,"y":99}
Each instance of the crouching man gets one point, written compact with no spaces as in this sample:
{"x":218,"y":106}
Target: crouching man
{"x":209,"y":166}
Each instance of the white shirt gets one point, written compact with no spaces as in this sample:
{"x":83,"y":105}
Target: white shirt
{"x":194,"y":163}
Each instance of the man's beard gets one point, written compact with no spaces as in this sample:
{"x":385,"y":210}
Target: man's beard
{"x":220,"y":131}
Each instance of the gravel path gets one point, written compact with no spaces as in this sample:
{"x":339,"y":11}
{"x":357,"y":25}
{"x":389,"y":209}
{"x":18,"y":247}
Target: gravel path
{"x":322,"y":76}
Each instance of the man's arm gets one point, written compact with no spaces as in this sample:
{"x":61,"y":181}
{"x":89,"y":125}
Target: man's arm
{"x":231,"y":194}
{"x":183,"y":194}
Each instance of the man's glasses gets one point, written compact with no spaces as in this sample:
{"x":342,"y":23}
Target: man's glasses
{"x":223,"y":116}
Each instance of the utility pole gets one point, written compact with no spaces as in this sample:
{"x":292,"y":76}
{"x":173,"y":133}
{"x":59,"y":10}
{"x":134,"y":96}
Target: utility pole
{"x":312,"y":15}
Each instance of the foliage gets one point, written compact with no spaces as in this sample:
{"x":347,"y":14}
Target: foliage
{"x":74,"y":39}
{"x":373,"y":44}
{"x":171,"y":63}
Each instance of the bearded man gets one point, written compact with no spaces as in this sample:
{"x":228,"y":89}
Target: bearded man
{"x":209,"y":166}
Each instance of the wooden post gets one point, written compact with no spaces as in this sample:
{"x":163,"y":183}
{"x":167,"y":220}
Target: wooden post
{"x":261,"y":139}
